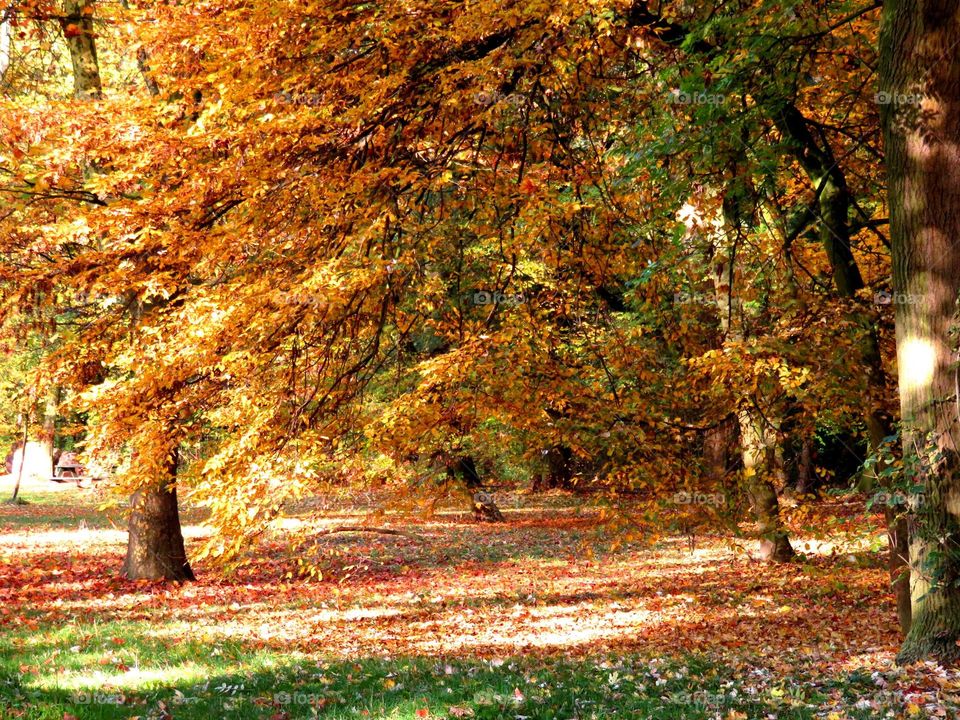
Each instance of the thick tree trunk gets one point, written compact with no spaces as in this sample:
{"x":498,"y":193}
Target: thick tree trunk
{"x":920,"y":76}
{"x":79,"y":34}
{"x":155,"y":548}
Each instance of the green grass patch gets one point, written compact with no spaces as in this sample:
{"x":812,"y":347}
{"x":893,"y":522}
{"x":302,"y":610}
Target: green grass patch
{"x":124,"y":670}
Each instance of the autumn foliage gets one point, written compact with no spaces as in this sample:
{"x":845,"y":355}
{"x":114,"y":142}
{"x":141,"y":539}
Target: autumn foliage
{"x":266,"y":249}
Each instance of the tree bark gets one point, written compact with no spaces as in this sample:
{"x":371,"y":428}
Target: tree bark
{"x":5,"y":44}
{"x":482,"y":503}
{"x":898,"y":563}
{"x":762,"y":459}
{"x":23,"y":457}
{"x":761,"y":468}
{"x":720,"y":445}
{"x":559,"y":468}
{"x":48,"y":427}
{"x":77,"y":25}
{"x":920,"y":75}
{"x":155,"y":549}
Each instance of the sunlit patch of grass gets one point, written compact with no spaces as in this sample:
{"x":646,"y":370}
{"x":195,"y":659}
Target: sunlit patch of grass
{"x":115,"y":670}
{"x":74,"y":666}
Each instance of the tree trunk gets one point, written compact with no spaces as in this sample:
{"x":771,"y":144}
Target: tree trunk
{"x":720,"y":445}
{"x":23,"y":458}
{"x":898,"y":542}
{"x":762,"y":459}
{"x":78,"y":32}
{"x":806,"y":477}
{"x":559,"y":468}
{"x":761,"y":466}
{"x":920,"y":76}
{"x":48,"y":427}
{"x":482,"y":503}
{"x":155,"y":548}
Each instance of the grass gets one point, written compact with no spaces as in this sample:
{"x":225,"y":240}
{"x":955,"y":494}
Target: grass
{"x":513,"y":621}
{"x":119,"y":670}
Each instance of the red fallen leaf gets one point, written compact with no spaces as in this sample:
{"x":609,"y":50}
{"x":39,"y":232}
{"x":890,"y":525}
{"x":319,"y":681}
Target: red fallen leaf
{"x":423,"y":712}
{"x":68,"y":716}
{"x":118,"y":641}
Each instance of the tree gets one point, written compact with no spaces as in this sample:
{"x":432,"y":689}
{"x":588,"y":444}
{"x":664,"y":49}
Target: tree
{"x":920,"y":89}
{"x":461,"y":238}
{"x":155,"y":544}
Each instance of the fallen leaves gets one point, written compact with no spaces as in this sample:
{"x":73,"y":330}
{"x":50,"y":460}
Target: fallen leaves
{"x":518,"y":589}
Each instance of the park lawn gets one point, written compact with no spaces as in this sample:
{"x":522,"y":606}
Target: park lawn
{"x":543,"y":617}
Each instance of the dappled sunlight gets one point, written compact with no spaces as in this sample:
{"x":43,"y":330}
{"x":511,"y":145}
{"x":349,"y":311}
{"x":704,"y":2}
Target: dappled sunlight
{"x":83,"y":536}
{"x":475,"y":592}
{"x":130,"y":679}
{"x":494,"y":589}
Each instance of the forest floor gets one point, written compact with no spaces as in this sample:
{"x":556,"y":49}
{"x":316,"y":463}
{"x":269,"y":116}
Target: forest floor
{"x":544,"y":616}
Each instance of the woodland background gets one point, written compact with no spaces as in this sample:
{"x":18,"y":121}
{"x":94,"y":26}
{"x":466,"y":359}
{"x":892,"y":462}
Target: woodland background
{"x":594,"y":274}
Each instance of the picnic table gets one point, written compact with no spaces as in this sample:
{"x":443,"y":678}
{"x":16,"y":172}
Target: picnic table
{"x":69,"y":469}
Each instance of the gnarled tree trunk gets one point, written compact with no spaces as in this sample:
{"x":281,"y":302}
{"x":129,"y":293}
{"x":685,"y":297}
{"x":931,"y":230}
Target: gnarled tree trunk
{"x":762,"y":469}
